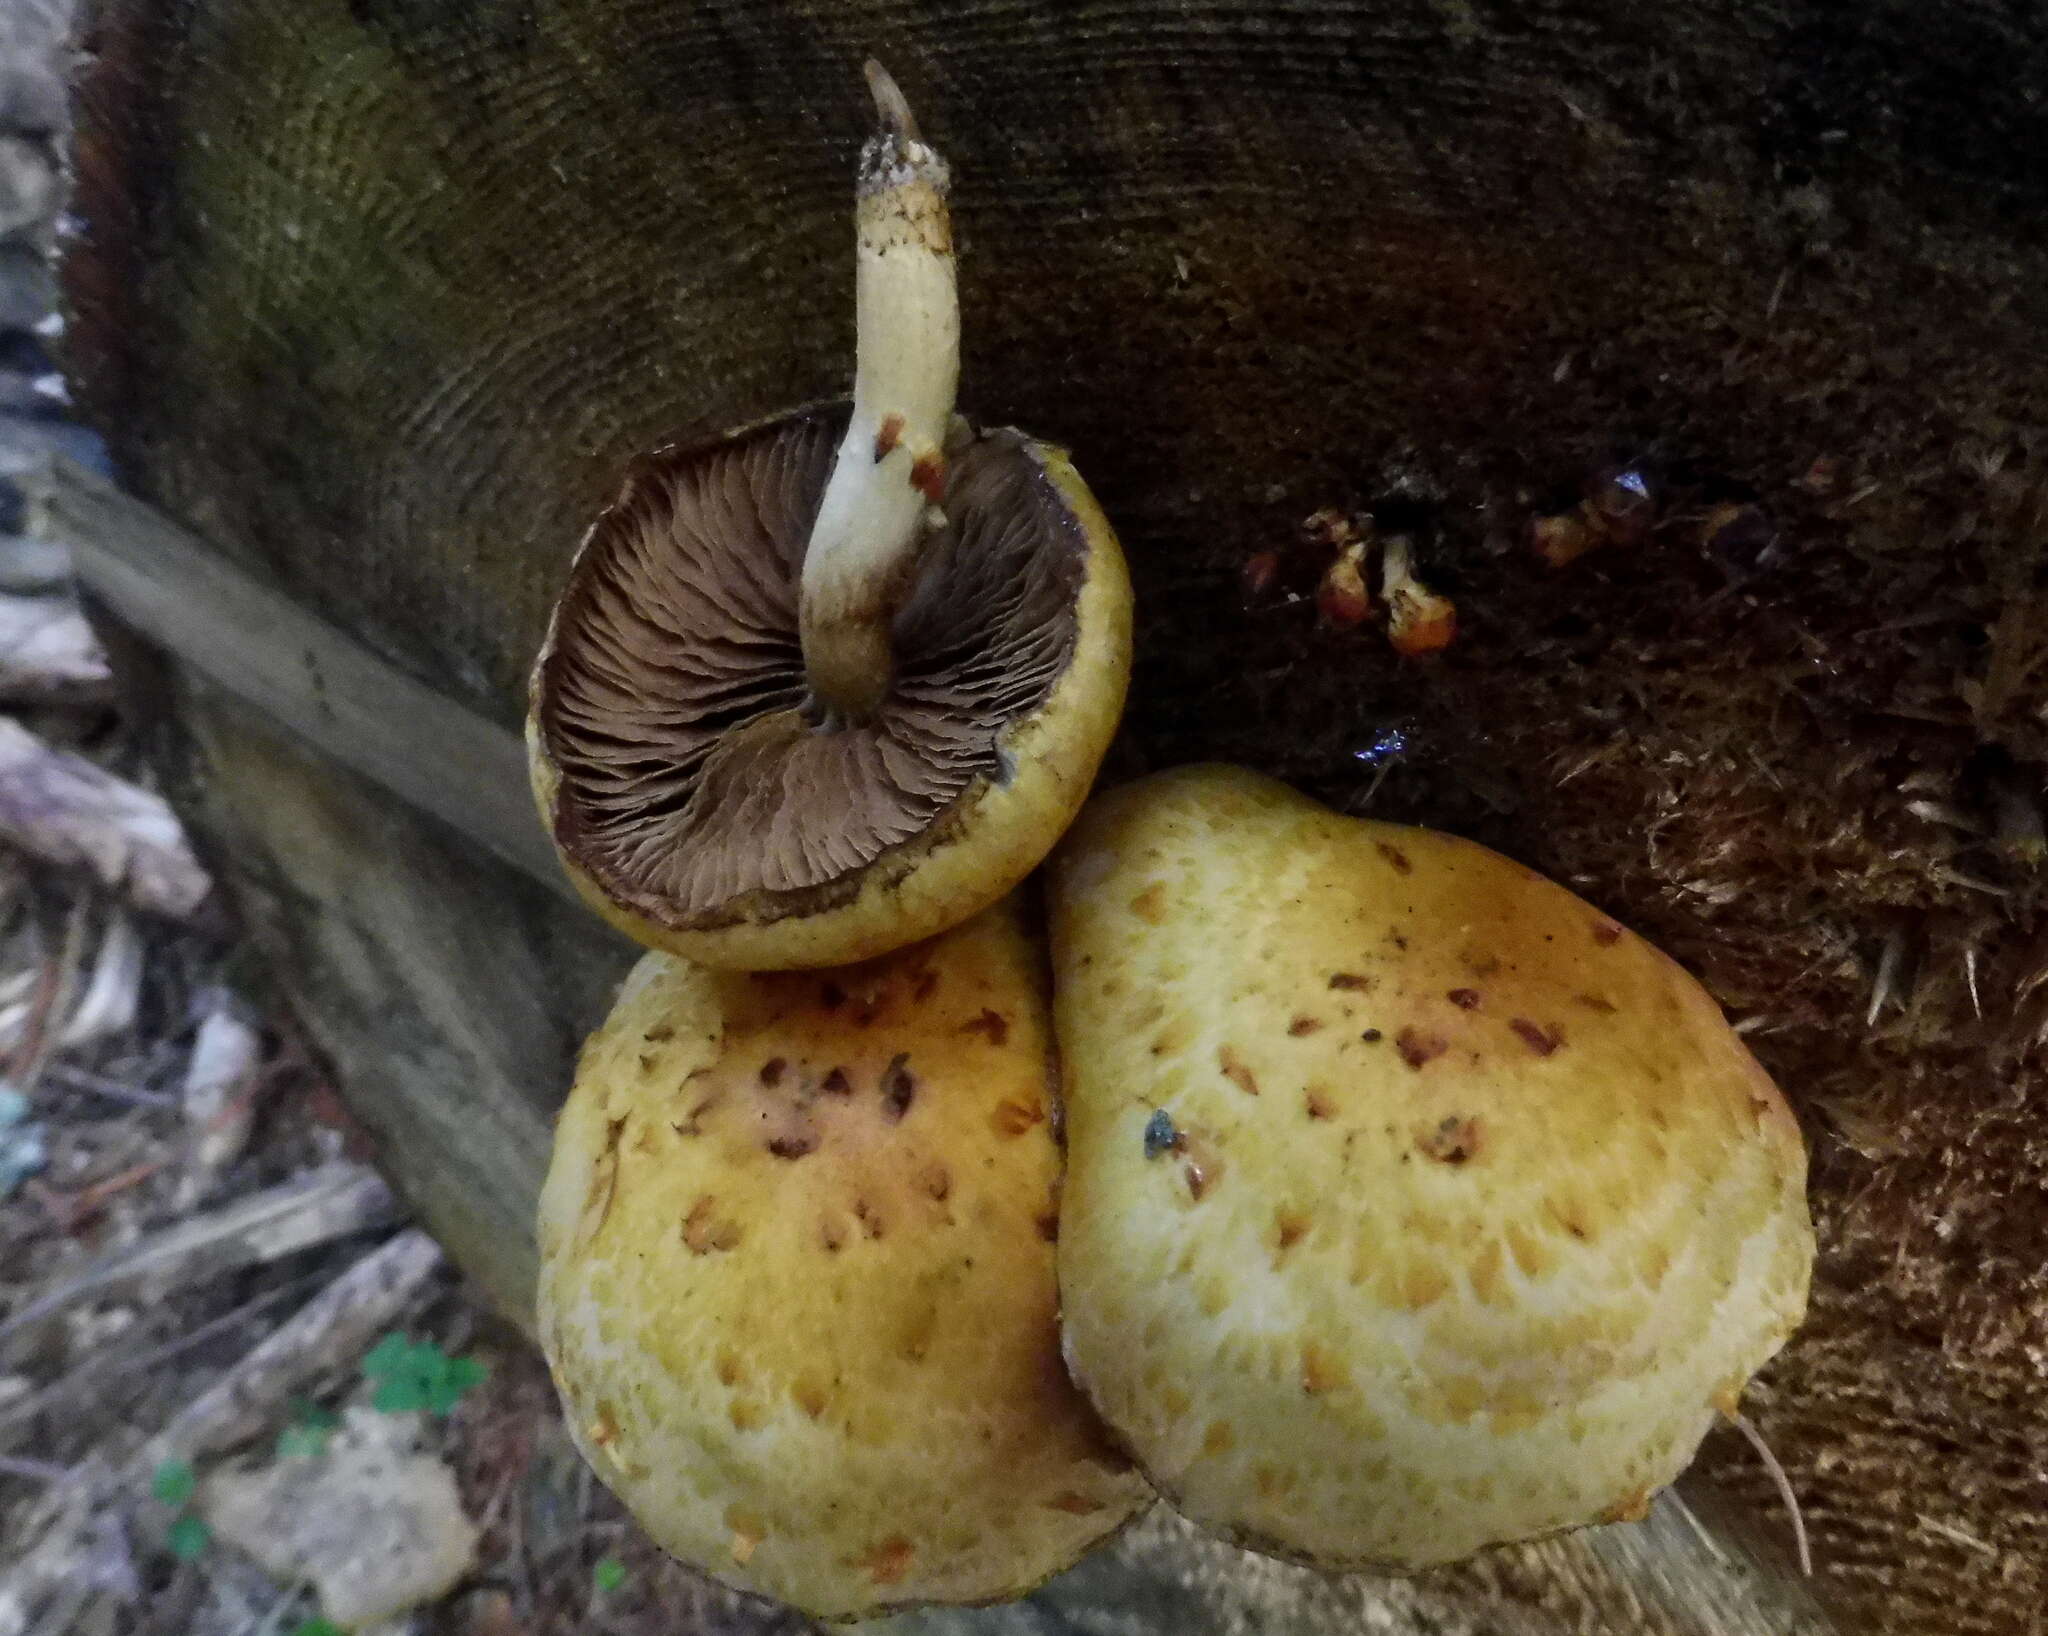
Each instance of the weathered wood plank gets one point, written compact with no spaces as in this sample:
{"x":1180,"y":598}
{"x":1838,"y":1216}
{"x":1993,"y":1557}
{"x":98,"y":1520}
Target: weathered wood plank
{"x":250,"y":639}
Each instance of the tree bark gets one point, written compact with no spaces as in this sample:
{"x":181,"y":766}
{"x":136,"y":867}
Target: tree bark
{"x":379,"y":298}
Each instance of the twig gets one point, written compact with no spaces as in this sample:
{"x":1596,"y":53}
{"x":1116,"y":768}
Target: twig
{"x":332,"y":1328}
{"x":95,"y":1375}
{"x":1949,"y":1531}
{"x":315,"y":1208}
{"x":47,"y":1001}
{"x":133,"y":1096}
{"x":70,"y":1211}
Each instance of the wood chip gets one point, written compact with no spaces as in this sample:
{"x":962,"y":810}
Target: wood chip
{"x":65,"y":810}
{"x":49,"y":655}
{"x":220,"y":1099}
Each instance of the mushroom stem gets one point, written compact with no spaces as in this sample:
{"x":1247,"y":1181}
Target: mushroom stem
{"x":890,"y":472}
{"x":1418,"y":620}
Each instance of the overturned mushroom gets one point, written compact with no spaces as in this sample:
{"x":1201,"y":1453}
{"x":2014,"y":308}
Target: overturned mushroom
{"x":797,"y":1277}
{"x":1413,"y":1205}
{"x":836,"y":681}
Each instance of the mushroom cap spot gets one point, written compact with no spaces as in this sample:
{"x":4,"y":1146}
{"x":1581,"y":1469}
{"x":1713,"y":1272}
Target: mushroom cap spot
{"x":692,"y":802}
{"x":1539,"y":1252}
{"x":878,"y":1317}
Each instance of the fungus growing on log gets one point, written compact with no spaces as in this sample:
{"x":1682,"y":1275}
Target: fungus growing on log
{"x":1413,"y":1205}
{"x":795,"y":1289}
{"x":838,"y":680}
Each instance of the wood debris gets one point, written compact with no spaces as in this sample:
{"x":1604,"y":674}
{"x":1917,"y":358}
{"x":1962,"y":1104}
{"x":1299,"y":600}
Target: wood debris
{"x":315,"y":1208}
{"x":221,"y":1082}
{"x":49,"y":655}
{"x":328,"y":1332}
{"x":67,"y":811}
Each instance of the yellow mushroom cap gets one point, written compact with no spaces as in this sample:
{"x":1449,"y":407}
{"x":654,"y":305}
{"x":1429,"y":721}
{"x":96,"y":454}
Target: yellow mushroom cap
{"x":797,"y":1278}
{"x":1413,"y":1205}
{"x":695,"y":802}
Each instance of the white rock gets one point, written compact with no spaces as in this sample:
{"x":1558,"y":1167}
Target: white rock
{"x":376,"y":1527}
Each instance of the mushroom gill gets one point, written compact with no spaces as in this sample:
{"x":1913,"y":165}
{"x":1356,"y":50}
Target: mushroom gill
{"x":694,"y":775}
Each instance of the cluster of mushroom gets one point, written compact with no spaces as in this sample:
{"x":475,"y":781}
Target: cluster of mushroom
{"x":1367,"y":1195}
{"x":1332,"y":555}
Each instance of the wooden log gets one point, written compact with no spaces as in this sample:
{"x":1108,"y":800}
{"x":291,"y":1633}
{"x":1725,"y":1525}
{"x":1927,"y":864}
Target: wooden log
{"x":378,"y":299}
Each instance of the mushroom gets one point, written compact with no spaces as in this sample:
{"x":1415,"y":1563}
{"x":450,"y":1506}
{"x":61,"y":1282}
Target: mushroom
{"x":797,"y":1277}
{"x":1413,"y":1204}
{"x":836,"y":681}
{"x":1419,"y":621}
